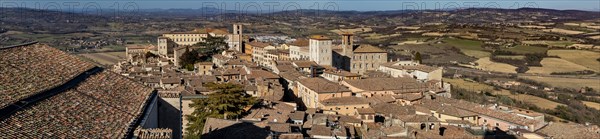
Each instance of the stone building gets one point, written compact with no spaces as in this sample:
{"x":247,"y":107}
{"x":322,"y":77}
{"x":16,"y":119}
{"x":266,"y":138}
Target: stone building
{"x":259,"y":53}
{"x":320,"y":49}
{"x":314,"y":90}
{"x":358,"y":58}
{"x":299,"y":50}
{"x":203,"y":68}
{"x":168,"y":43}
{"x":412,"y":69}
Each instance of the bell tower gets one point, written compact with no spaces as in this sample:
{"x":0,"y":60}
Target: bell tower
{"x":237,"y":37}
{"x":348,"y":43}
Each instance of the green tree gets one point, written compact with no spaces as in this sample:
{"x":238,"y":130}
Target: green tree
{"x":506,"y":100}
{"x":228,"y":101}
{"x":418,"y":57}
{"x":149,"y":55}
{"x":210,"y":46}
{"x":189,"y":58}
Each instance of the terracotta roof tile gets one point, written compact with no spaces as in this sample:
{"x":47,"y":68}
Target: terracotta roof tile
{"x":262,"y":74}
{"x":344,"y":101}
{"x":305,"y":64}
{"x":409,"y":96}
{"x":300,"y":42}
{"x":365,"y":48}
{"x":298,"y":115}
{"x":388,"y":109}
{"x":319,"y":37}
{"x":405,"y":84}
{"x":258,"y":44}
{"x":321,"y":85}
{"x":173,"y":80}
{"x":365,"y":111}
{"x":381,"y":99}
{"x":341,"y":73}
{"x":279,"y":127}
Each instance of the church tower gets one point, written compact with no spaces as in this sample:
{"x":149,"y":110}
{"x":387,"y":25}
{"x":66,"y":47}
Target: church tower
{"x":163,"y":46}
{"x":238,"y":37}
{"x":347,"y":44}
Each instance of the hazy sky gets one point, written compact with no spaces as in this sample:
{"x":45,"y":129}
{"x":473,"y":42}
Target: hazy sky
{"x":278,"y":5}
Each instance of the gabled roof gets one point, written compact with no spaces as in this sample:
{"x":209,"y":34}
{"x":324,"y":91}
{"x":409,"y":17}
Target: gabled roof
{"x":284,"y":68}
{"x":388,"y":84}
{"x":173,"y":80}
{"x":381,"y":99}
{"x":233,"y":71}
{"x":304,"y":63}
{"x":258,"y":44}
{"x":321,"y":85}
{"x":342,"y":73}
{"x":393,"y":130}
{"x":409,"y":96}
{"x":217,"y":31}
{"x":280,"y":127}
{"x":300,"y":42}
{"x":220,"y":128}
{"x":344,"y":101}
{"x":388,"y":109}
{"x":298,"y":115}
{"x":319,"y":37}
{"x":365,"y":111}
{"x":291,"y":75}
{"x":365,"y":48}
{"x":262,"y":74}
{"x":423,"y":68}
{"x":478,"y":109}
{"x":348,"y":119}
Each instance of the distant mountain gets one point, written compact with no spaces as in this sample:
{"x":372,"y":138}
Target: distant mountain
{"x":46,"y":21}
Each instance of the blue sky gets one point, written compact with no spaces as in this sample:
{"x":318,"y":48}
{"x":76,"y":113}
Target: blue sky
{"x":278,"y":5}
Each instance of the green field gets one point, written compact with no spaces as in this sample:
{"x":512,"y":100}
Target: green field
{"x":524,"y":49}
{"x":479,"y":87}
{"x":581,"y":57}
{"x":567,"y":82}
{"x":551,"y":43}
{"x":519,"y":57}
{"x":464,"y":44}
{"x":468,"y":47}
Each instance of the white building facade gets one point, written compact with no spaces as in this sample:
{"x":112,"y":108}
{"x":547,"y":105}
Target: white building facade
{"x":320,"y":50}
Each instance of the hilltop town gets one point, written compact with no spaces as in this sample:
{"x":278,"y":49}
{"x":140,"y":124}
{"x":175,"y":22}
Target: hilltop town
{"x":312,"y":87}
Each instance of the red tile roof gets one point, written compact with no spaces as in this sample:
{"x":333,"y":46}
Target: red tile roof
{"x":321,"y":85}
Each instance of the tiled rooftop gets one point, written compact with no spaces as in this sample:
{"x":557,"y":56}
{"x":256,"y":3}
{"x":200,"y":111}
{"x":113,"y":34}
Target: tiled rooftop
{"x":321,"y":85}
{"x":388,"y":84}
{"x":365,"y":48}
{"x":344,"y":101}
